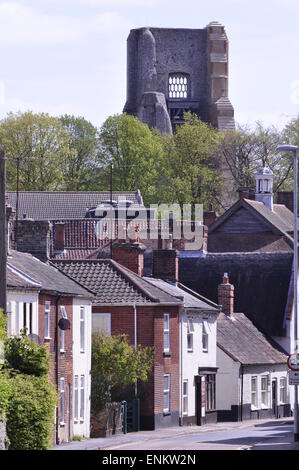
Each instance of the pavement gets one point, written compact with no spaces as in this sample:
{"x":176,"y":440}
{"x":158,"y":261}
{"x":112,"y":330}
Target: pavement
{"x":248,"y":435}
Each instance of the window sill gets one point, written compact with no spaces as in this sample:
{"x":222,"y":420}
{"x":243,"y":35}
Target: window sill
{"x":205,"y":351}
{"x":62,"y":424}
{"x":190,"y":350}
{"x":82,"y":351}
{"x":166,"y":413}
{"x":62,"y":351}
{"x":166,"y":354}
{"x":47,"y":338}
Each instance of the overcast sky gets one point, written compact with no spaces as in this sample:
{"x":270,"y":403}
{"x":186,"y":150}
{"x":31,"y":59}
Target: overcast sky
{"x":69,"y":56}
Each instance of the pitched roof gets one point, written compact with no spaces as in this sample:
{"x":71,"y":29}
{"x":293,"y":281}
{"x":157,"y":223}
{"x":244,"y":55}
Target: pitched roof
{"x":191,"y":299}
{"x":48,"y":277}
{"x":16,"y":279}
{"x":114,"y":284}
{"x":280,"y":220}
{"x":56,"y":205}
{"x":241,"y":340}
{"x":261,"y":283}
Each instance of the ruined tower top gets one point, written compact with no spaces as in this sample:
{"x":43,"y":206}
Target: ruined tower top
{"x":171,"y":71}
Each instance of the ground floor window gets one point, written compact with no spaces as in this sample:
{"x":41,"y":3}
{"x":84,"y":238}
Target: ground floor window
{"x":283,"y":390}
{"x":166,"y":407}
{"x":82,"y":399}
{"x":254,"y":391}
{"x":76,"y":397}
{"x":185,"y":397}
{"x":62,"y":400}
{"x":211,"y":392}
{"x":265,"y":391}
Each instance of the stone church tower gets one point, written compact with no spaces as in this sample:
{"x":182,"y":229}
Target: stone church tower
{"x":170,"y":71}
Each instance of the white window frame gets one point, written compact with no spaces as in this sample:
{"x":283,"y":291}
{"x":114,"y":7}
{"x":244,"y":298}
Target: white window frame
{"x":47,"y":320}
{"x":62,"y":401}
{"x":82,"y":398}
{"x":265,"y":392}
{"x":82,"y":329}
{"x":62,"y":332}
{"x":17,"y":319}
{"x":283,"y":390}
{"x":205,"y":336}
{"x":104,"y":315}
{"x":185,"y":398}
{"x":166,"y":332}
{"x":190,"y":347}
{"x":76,"y":398}
{"x":254,"y":393}
{"x":166,"y":392}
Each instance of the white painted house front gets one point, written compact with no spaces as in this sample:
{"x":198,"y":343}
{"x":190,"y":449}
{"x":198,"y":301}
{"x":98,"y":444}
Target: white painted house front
{"x":252,"y":378}
{"x":198,"y":366}
{"x":81,"y":366}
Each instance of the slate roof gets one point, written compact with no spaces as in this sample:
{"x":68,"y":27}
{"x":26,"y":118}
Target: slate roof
{"x":192,"y":300}
{"x":241,"y":340}
{"x":114,"y":284}
{"x":50,"y":279}
{"x":56,"y":205}
{"x":261,"y":283}
{"x":15,"y":279}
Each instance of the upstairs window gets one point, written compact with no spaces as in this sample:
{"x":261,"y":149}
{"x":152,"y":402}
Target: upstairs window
{"x":178,"y":86}
{"x":166,"y":333}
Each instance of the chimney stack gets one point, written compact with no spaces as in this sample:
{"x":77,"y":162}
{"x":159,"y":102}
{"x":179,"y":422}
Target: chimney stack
{"x":129,"y":255}
{"x":34,"y":238}
{"x":59,"y":238}
{"x":210,"y":216}
{"x":166,"y":262}
{"x":226,"y":296}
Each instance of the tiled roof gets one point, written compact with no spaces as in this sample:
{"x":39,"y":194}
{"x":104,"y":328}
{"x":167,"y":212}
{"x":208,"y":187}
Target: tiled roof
{"x":49,"y":278}
{"x":261,"y":283}
{"x":191,"y":299}
{"x":52,"y":205}
{"x":240,"y":339}
{"x":74,"y":254}
{"x":114,"y":284}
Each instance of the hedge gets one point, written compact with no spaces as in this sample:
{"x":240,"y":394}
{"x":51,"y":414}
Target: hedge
{"x":30,"y":412}
{"x":22,"y":354}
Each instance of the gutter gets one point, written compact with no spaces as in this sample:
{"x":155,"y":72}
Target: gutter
{"x":242,"y":390}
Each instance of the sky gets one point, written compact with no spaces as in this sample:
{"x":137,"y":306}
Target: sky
{"x":69,"y":56}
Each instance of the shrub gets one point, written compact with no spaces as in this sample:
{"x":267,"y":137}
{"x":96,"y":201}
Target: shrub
{"x":115,"y":367}
{"x":24,"y":355}
{"x":4,"y":393}
{"x":30,"y":412}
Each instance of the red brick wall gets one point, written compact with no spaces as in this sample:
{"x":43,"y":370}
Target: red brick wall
{"x":150,"y":323}
{"x":65,"y":360}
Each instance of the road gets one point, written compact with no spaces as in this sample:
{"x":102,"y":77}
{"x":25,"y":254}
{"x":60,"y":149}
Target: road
{"x":272,"y":435}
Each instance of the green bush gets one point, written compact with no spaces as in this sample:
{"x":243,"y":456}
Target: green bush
{"x":30,"y":412}
{"x":4,"y":393}
{"x":24,"y":355}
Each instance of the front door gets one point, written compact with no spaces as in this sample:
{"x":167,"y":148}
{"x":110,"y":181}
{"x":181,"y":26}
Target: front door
{"x":198,"y":393}
{"x":274,"y":393}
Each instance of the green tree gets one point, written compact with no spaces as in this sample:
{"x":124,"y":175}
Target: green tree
{"x":134,"y":151}
{"x":25,"y":356}
{"x":192,"y":158}
{"x":79,"y":170}
{"x":115,"y":367}
{"x":36,"y":146}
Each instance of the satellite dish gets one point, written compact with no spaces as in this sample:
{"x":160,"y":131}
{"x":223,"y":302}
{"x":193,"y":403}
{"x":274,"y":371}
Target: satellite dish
{"x":35,"y":338}
{"x":64,"y":324}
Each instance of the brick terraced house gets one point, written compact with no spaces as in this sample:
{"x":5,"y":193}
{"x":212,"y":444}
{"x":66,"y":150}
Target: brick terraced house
{"x":42,"y":300}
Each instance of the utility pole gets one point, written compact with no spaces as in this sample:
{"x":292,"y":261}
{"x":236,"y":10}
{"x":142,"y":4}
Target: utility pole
{"x":112,"y":227}
{"x":3,"y":235}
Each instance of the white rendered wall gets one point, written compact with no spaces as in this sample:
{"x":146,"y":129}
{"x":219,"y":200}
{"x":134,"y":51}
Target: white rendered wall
{"x":16,"y":318}
{"x":191,"y":361}
{"x":82,"y":364}
{"x":227,"y":381}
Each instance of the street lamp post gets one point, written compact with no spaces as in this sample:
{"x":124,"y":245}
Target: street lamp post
{"x":293,"y":149}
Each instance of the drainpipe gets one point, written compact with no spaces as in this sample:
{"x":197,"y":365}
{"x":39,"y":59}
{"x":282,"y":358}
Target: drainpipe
{"x":135,"y":338}
{"x":56,"y":364}
{"x":242,"y":388}
{"x":181,"y":365}
{"x":3,"y":230}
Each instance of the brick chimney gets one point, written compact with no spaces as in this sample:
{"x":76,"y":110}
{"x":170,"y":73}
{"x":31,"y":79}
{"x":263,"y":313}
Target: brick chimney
{"x":166,"y":262}
{"x":226,"y":296}
{"x":58,"y":236}
{"x":34,"y":238}
{"x":286,"y":198}
{"x":129,"y":255}
{"x":210,"y":216}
